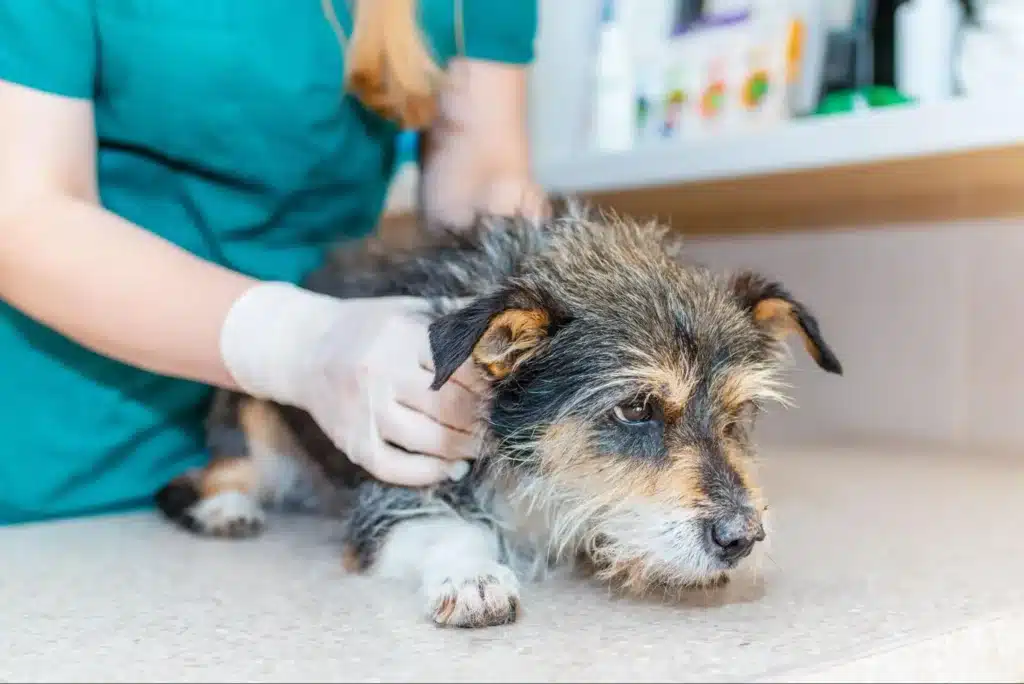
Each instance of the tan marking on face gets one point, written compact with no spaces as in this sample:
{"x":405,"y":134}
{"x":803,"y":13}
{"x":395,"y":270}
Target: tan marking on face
{"x":510,"y":338}
{"x":677,"y":483}
{"x":740,"y":462}
{"x":680,"y":480}
{"x":567,"y":457}
{"x":671,"y":384}
{"x":735,"y":391}
{"x":746,"y":468}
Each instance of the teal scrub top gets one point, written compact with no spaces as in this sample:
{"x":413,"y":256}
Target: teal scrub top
{"x":222,"y":127}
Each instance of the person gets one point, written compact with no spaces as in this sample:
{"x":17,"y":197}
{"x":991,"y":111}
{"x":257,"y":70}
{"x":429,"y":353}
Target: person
{"x":169,"y":173}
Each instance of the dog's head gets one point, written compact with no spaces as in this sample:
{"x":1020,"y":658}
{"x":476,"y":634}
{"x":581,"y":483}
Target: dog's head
{"x":625,"y":385}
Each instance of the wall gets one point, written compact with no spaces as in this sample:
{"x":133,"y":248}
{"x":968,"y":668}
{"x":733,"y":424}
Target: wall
{"x":926,"y":319}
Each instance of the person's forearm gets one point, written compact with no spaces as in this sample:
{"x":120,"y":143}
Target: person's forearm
{"x":476,"y":158}
{"x":456,"y":185}
{"x":115,"y":288}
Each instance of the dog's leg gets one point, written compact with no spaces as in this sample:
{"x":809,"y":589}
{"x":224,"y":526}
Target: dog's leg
{"x":216,"y":500}
{"x":255,"y":463}
{"x":456,"y":564}
{"x":418,"y":537}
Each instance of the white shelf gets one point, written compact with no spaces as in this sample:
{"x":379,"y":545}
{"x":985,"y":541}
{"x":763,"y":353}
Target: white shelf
{"x":957,"y":160}
{"x":887,"y":565}
{"x":874,"y":136}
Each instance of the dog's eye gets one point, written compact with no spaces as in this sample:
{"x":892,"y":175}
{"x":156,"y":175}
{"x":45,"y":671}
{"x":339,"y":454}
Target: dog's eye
{"x":633,"y":412}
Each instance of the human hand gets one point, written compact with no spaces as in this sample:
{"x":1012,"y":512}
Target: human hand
{"x":513,"y":195}
{"x":368,"y":386}
{"x":362,"y":368}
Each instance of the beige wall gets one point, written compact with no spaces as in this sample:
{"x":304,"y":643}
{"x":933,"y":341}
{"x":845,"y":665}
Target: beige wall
{"x":926,"y":319}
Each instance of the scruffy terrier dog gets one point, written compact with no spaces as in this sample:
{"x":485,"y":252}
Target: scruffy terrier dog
{"x":623,"y":386}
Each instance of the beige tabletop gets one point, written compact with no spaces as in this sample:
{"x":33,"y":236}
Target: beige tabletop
{"x":886,"y":564}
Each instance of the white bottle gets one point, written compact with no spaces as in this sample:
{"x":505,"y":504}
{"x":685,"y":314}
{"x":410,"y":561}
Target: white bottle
{"x":926,"y":38}
{"x":614,"y":119}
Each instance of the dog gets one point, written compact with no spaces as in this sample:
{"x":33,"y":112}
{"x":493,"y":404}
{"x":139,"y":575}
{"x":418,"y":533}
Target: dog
{"x":623,"y":384}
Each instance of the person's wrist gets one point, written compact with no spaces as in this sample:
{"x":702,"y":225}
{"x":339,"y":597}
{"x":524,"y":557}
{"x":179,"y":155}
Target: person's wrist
{"x":270,"y":337}
{"x":511,"y":194}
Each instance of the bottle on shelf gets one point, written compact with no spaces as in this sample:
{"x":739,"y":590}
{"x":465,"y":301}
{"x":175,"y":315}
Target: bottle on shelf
{"x":614,"y":118}
{"x":926,"y":41}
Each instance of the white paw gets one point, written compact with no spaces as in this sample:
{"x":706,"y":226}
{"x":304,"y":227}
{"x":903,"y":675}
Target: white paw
{"x":228,"y":514}
{"x":478,"y":597}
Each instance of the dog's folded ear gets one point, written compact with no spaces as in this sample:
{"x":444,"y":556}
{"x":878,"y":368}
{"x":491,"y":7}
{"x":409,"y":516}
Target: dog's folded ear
{"x":775,"y":310}
{"x":499,"y":331}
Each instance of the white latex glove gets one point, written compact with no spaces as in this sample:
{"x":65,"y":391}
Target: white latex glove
{"x":362,"y":369}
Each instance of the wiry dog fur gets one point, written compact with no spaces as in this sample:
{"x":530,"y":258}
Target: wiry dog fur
{"x":623,"y":387}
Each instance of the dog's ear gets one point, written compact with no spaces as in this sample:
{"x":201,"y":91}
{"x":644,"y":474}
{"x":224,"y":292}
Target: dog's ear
{"x":499,"y":331}
{"x":775,"y":310}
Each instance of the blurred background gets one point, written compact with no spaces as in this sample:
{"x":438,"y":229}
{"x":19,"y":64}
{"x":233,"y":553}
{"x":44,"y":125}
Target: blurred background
{"x":869,"y":153}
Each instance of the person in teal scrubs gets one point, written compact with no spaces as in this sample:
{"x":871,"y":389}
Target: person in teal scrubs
{"x":170,"y":171}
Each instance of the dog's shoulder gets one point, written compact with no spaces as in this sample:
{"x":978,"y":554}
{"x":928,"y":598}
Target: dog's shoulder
{"x":448,"y":261}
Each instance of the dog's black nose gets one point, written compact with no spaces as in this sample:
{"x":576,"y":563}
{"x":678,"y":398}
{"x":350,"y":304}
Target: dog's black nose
{"x":733,"y":538}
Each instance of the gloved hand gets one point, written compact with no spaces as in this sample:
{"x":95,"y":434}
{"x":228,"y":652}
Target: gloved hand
{"x":362,"y":369}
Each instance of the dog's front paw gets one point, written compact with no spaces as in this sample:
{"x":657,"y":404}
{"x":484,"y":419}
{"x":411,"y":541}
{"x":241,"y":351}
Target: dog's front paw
{"x":227,"y":514}
{"x":484,"y":598}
